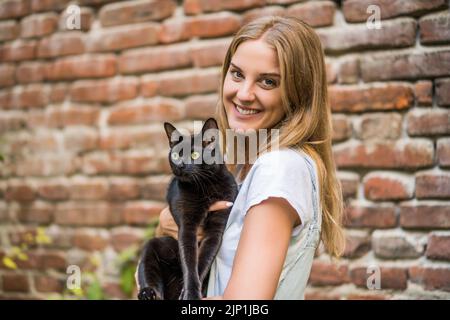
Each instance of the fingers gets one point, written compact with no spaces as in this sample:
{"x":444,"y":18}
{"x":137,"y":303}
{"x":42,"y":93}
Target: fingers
{"x":219,"y":205}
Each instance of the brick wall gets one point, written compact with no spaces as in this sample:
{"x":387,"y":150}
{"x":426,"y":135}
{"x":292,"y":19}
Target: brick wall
{"x":85,"y":152}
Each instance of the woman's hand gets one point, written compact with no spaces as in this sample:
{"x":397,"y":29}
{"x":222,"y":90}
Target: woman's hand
{"x":168,"y":227}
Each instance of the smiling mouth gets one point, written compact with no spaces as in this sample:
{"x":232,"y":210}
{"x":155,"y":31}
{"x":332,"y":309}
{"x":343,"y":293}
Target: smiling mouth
{"x":245,"y":111}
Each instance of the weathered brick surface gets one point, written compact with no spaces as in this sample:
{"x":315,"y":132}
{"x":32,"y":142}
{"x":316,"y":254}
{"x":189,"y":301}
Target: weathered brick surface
{"x":81,"y":114}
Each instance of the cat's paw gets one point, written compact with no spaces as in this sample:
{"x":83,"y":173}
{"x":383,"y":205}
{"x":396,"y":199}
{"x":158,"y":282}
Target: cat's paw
{"x":149,"y":294}
{"x":190,"y":295}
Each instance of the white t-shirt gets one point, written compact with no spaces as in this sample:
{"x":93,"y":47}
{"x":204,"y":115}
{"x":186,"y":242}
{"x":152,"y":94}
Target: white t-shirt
{"x":285,"y":173}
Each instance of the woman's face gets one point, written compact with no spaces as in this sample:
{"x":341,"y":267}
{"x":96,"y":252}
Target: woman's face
{"x":251,"y":90}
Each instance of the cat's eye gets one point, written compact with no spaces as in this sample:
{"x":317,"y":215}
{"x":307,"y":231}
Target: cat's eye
{"x":195,"y":155}
{"x":175,"y":156}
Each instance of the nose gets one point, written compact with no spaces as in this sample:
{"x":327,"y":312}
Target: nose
{"x":245,"y":93}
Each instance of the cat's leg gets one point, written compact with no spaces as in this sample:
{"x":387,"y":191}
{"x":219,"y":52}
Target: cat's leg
{"x":158,"y":266}
{"x":187,"y":241}
{"x":213,"y":231}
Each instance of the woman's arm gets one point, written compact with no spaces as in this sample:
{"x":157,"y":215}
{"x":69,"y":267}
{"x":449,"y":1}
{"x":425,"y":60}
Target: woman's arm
{"x":262,"y":250}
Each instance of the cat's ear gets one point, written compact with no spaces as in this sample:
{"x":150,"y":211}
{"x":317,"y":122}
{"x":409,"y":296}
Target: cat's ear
{"x":210,"y":137}
{"x":211,"y":123}
{"x":173,"y":134}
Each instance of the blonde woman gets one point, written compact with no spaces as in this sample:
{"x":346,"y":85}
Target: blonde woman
{"x":289,"y":199}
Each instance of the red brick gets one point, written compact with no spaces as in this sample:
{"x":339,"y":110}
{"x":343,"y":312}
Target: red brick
{"x":423,"y":90}
{"x":427,"y":122}
{"x":435,"y":28}
{"x":53,"y":190}
{"x":388,"y":186}
{"x":201,"y":107}
{"x":18,"y":50}
{"x":136,"y":163}
{"x":443,"y":152}
{"x":90,"y":240}
{"x":14,"y":8}
{"x":125,"y":237}
{"x":9,"y":30}
{"x":46,"y":165}
{"x":425,"y":215}
{"x":356,"y":10}
{"x":104,"y":91}
{"x":390,"y":277}
{"x":78,"y":140}
{"x":22,"y":192}
{"x":349,"y":182}
{"x":52,"y":260}
{"x":86,"y":19}
{"x":401,"y":154}
{"x":7,"y":72}
{"x":389,"y":66}
{"x":384,"y":126}
{"x":123,"y":37}
{"x":12,"y":122}
{"x":127,"y":12}
{"x":326,"y":274}
{"x":58,"y":92}
{"x":114,"y":290}
{"x":47,"y":5}
{"x":370,"y":97}
{"x":33,"y":71}
{"x":370,"y":216}
{"x":316,"y":14}
{"x":61,"y":44}
{"x":38,"y":212}
{"x":15,"y":282}
{"x":30,"y":96}
{"x":86,"y":66}
{"x":154,"y":59}
{"x":433,"y":185}
{"x":396,"y":244}
{"x":348,"y":71}
{"x":209,"y":53}
{"x":88,"y":189}
{"x":357,"y":244}
{"x":86,"y":214}
{"x":136,"y":113}
{"x":394,"y":34}
{"x":46,"y":284}
{"x":331,"y":71}
{"x":72,"y":116}
{"x":38,"y":25}
{"x":141,"y":213}
{"x":181,"y":83}
{"x":214,"y":25}
{"x":132,"y":137}
{"x":155,"y":188}
{"x":443,"y":92}
{"x":123,"y":189}
{"x":342,"y":128}
{"x":438,"y":246}
{"x":198,"y":6}
{"x":254,"y":14}
{"x":433,"y":278}
{"x":173,"y":30}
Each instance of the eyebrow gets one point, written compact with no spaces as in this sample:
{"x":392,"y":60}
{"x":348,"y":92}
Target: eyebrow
{"x":262,"y":74}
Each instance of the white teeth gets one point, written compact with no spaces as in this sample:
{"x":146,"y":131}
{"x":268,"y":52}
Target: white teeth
{"x":243,"y":111}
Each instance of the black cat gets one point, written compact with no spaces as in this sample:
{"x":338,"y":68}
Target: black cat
{"x":171,"y":269}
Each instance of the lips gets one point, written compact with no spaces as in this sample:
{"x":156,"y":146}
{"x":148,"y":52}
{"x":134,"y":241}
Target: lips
{"x":245,"y":110}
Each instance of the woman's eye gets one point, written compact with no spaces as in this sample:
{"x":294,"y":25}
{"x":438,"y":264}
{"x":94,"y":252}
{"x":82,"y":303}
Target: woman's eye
{"x":175,"y":156}
{"x":195,"y":155}
{"x":236,"y":74}
{"x":269,"y":82}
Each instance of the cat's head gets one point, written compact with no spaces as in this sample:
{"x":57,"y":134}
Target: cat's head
{"x":197,"y":156}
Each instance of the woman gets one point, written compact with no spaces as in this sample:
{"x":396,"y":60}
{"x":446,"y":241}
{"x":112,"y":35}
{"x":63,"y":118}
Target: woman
{"x":273,"y":77}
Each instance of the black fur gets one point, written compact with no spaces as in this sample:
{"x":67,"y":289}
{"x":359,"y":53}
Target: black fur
{"x":171,"y":269}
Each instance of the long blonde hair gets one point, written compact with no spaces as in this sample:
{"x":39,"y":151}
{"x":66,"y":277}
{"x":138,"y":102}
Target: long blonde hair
{"x":307,"y":124}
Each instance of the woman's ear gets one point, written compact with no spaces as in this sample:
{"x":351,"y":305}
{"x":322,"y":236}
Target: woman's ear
{"x":173,"y":134}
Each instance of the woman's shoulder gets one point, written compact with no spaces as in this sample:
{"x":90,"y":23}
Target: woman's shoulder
{"x":284,"y":158}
